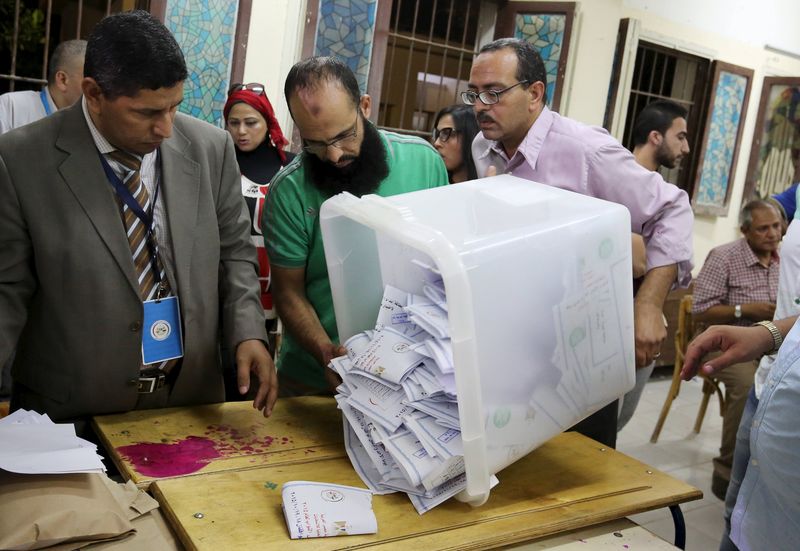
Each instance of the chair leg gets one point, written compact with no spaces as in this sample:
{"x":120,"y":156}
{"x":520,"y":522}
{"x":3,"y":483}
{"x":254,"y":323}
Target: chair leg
{"x":707,"y":392}
{"x":674,"y":389}
{"x":723,"y":405}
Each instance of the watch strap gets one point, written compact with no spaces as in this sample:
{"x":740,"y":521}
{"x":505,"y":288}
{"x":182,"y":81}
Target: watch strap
{"x":777,"y":338}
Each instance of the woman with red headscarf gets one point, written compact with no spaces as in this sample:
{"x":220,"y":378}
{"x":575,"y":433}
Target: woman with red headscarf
{"x":250,"y":120}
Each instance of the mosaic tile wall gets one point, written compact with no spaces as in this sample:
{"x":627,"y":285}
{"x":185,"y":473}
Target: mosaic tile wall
{"x":721,"y":140}
{"x":546,"y":33}
{"x":205,"y":31}
{"x":344,"y":30}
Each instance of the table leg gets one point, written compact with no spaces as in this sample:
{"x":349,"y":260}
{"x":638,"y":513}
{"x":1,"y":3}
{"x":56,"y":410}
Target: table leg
{"x":680,"y":526}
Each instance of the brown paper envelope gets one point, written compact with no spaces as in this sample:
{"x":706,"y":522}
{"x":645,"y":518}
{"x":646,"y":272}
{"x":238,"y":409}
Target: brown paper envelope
{"x":152,"y":532}
{"x":39,"y":511}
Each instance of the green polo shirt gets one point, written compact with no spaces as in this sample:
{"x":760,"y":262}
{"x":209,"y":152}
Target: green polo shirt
{"x":290,"y":225}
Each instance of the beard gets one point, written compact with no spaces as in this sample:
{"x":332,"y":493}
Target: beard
{"x":363,"y":175}
{"x":665,"y":158}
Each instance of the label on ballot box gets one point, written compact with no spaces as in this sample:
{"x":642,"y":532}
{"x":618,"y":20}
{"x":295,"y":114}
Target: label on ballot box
{"x":317,"y":510}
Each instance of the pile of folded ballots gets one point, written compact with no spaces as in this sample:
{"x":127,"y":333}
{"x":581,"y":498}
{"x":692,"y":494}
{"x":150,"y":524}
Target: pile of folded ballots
{"x":398,"y":399}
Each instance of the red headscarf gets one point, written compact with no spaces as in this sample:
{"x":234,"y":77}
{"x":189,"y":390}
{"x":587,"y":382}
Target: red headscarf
{"x":260,"y":103}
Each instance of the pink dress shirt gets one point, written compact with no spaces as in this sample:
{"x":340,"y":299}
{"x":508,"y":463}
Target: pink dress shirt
{"x":564,"y":153}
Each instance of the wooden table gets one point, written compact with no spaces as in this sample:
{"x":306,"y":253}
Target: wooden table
{"x":620,"y":534}
{"x":148,"y":445}
{"x":568,"y":483}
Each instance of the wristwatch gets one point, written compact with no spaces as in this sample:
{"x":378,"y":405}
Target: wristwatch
{"x":737,"y":311}
{"x":777,"y":338}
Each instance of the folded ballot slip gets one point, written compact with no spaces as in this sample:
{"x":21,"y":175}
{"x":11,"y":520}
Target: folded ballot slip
{"x":318,"y":510}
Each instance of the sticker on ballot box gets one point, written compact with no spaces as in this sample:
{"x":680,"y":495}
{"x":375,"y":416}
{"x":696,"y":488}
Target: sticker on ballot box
{"x":161,"y":335}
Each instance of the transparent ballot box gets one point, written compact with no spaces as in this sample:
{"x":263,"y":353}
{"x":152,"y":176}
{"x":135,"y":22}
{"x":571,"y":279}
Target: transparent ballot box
{"x":539,"y":295}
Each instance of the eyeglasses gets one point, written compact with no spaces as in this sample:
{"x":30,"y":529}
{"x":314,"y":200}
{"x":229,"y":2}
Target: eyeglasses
{"x":253,"y":87}
{"x":321,"y":148}
{"x":487,"y":97}
{"x":443,"y":134}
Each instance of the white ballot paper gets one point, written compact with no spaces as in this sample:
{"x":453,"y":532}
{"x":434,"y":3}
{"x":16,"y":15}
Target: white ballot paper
{"x":388,"y":356}
{"x":30,"y":443}
{"x":398,"y":399}
{"x":428,"y":316}
{"x":318,"y":510}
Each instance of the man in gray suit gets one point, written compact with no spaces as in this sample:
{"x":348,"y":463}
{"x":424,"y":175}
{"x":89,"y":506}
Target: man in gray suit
{"x":125,"y":253}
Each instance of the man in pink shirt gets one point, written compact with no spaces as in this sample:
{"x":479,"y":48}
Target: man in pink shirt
{"x":521,"y":136}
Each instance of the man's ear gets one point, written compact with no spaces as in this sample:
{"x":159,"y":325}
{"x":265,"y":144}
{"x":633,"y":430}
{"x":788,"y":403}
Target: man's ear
{"x":365,"y":104}
{"x":92,"y":93}
{"x":537,"y":90}
{"x":61,"y":79}
{"x":655,"y":138}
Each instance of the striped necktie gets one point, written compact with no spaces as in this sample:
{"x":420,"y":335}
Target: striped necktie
{"x":137,"y":235}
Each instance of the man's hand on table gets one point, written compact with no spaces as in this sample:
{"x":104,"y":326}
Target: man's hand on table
{"x":252,"y":357}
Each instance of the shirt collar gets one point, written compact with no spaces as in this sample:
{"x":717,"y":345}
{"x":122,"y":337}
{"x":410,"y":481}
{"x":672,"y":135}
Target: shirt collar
{"x":750,"y":257}
{"x":102,"y":144}
{"x":531,"y":145}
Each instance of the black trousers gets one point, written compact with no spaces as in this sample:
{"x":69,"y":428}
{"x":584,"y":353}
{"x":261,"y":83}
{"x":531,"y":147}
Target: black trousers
{"x":601,"y":425}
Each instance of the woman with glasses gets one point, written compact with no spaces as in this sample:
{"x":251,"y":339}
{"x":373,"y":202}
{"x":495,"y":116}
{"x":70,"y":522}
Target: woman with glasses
{"x":259,"y":141}
{"x":454,"y":128}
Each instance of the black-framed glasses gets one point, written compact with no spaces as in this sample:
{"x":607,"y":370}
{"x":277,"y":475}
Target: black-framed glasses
{"x":255,"y":87}
{"x":487,"y":97}
{"x":443,"y":134}
{"x":343,"y":140}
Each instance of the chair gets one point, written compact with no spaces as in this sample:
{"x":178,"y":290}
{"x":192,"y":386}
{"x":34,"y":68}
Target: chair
{"x":683,"y":335}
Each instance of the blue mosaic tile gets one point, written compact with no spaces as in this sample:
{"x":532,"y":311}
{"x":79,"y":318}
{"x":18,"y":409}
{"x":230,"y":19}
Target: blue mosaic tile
{"x":205,"y":31}
{"x":345,"y":29}
{"x":546,"y":33}
{"x":721,"y":140}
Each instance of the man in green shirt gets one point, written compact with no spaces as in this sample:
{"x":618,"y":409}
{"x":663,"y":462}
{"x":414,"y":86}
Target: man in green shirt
{"x":342,"y":151}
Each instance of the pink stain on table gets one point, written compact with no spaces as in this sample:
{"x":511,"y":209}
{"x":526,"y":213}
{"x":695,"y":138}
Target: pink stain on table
{"x":163,"y":460}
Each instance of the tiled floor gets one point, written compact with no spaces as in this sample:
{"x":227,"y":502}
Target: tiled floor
{"x":681,"y":453}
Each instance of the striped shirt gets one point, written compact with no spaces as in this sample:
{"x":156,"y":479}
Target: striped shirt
{"x":732,"y":274}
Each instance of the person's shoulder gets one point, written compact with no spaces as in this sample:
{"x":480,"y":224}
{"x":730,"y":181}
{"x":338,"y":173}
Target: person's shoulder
{"x":291,"y":176}
{"x":35,"y":132}
{"x":728,"y":249}
{"x":20,"y":95}
{"x":193,"y":127}
{"x":407,"y":143}
{"x":582,"y":135}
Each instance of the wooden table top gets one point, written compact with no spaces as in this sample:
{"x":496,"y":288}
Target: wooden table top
{"x":148,"y":445}
{"x":570,"y":482}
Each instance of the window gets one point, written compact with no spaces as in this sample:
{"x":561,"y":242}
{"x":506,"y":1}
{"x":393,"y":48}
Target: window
{"x":32,"y":29}
{"x":429,"y":51}
{"x":663,"y":73}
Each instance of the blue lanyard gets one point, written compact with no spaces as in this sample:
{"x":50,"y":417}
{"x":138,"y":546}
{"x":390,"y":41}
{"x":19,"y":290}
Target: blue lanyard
{"x":124,"y":193}
{"x":43,"y":97}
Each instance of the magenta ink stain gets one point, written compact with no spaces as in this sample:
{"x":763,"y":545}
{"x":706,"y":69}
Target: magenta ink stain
{"x":221,"y":441}
{"x":164,"y":460}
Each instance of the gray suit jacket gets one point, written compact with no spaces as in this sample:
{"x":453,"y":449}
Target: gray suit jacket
{"x":69,"y":299}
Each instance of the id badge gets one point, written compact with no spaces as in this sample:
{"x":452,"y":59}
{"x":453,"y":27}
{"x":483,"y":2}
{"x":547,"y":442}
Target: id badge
{"x":161,"y":336}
